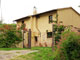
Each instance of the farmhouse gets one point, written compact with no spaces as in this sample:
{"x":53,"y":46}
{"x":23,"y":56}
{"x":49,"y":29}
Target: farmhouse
{"x":41,"y":24}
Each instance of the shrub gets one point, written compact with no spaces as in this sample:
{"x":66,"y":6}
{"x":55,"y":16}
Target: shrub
{"x":69,"y":47}
{"x":8,"y":26}
{"x":9,"y":36}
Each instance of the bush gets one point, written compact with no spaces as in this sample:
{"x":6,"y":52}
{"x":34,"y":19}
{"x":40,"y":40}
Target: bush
{"x":7,"y":26}
{"x":69,"y":47}
{"x":9,"y":36}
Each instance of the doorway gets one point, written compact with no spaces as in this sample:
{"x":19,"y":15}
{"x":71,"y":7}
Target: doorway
{"x":36,"y":40}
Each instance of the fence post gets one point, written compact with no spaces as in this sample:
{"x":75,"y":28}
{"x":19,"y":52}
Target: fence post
{"x":29,"y":38}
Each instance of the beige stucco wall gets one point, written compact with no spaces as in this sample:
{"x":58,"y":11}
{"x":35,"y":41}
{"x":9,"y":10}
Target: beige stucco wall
{"x":30,"y":24}
{"x":27,"y":21}
{"x":43,"y":26}
{"x":69,"y":17}
{"x":18,"y":24}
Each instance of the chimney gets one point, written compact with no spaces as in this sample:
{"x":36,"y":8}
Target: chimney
{"x":34,"y":10}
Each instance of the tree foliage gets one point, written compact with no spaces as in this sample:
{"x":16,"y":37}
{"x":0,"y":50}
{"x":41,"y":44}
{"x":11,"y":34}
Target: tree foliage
{"x":57,"y":31}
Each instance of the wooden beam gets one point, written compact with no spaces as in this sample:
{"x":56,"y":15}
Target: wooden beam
{"x":29,"y":38}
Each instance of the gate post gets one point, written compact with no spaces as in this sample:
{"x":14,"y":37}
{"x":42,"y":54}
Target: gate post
{"x":23,"y":38}
{"x":29,"y":38}
{"x":53,"y":38}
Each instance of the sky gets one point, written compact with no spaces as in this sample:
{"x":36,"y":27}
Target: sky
{"x":15,"y":9}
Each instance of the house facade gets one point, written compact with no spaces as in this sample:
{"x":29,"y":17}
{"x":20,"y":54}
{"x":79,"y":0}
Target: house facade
{"x":41,"y":24}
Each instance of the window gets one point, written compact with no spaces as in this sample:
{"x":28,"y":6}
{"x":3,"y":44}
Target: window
{"x":49,"y":34}
{"x":23,"y":25}
{"x":37,"y":16}
{"x":50,"y":19}
{"x":78,"y":30}
{"x":22,"y":22}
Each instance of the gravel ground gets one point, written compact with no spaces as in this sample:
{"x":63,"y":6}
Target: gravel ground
{"x":7,"y":55}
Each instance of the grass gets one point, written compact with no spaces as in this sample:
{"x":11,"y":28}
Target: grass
{"x":7,"y":49}
{"x":45,"y":53}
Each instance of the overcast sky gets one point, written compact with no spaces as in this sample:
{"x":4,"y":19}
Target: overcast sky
{"x":14,"y":9}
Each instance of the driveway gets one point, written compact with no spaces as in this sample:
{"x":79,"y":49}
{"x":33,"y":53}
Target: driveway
{"x":7,"y":55}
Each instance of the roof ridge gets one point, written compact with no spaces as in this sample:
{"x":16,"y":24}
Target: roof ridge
{"x":46,"y":12}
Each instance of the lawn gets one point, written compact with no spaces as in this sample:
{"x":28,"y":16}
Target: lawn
{"x":44,"y":53}
{"x":7,"y":49}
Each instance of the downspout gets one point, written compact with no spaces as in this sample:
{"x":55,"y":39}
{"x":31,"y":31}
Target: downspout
{"x":31,"y":23}
{"x":37,"y":27}
{"x":57,"y":16}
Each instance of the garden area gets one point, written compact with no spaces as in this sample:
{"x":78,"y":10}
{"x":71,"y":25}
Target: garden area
{"x":67,"y":45}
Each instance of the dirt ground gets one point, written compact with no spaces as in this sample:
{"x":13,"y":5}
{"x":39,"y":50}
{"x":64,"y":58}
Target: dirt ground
{"x":7,"y":55}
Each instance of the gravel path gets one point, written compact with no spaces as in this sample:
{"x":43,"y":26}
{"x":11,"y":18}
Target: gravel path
{"x":7,"y":55}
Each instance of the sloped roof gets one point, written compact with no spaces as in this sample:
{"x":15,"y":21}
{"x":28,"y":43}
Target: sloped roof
{"x":47,"y":12}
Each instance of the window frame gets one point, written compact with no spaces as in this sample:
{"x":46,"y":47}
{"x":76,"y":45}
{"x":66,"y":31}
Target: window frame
{"x":49,"y":34}
{"x":50,"y":18}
